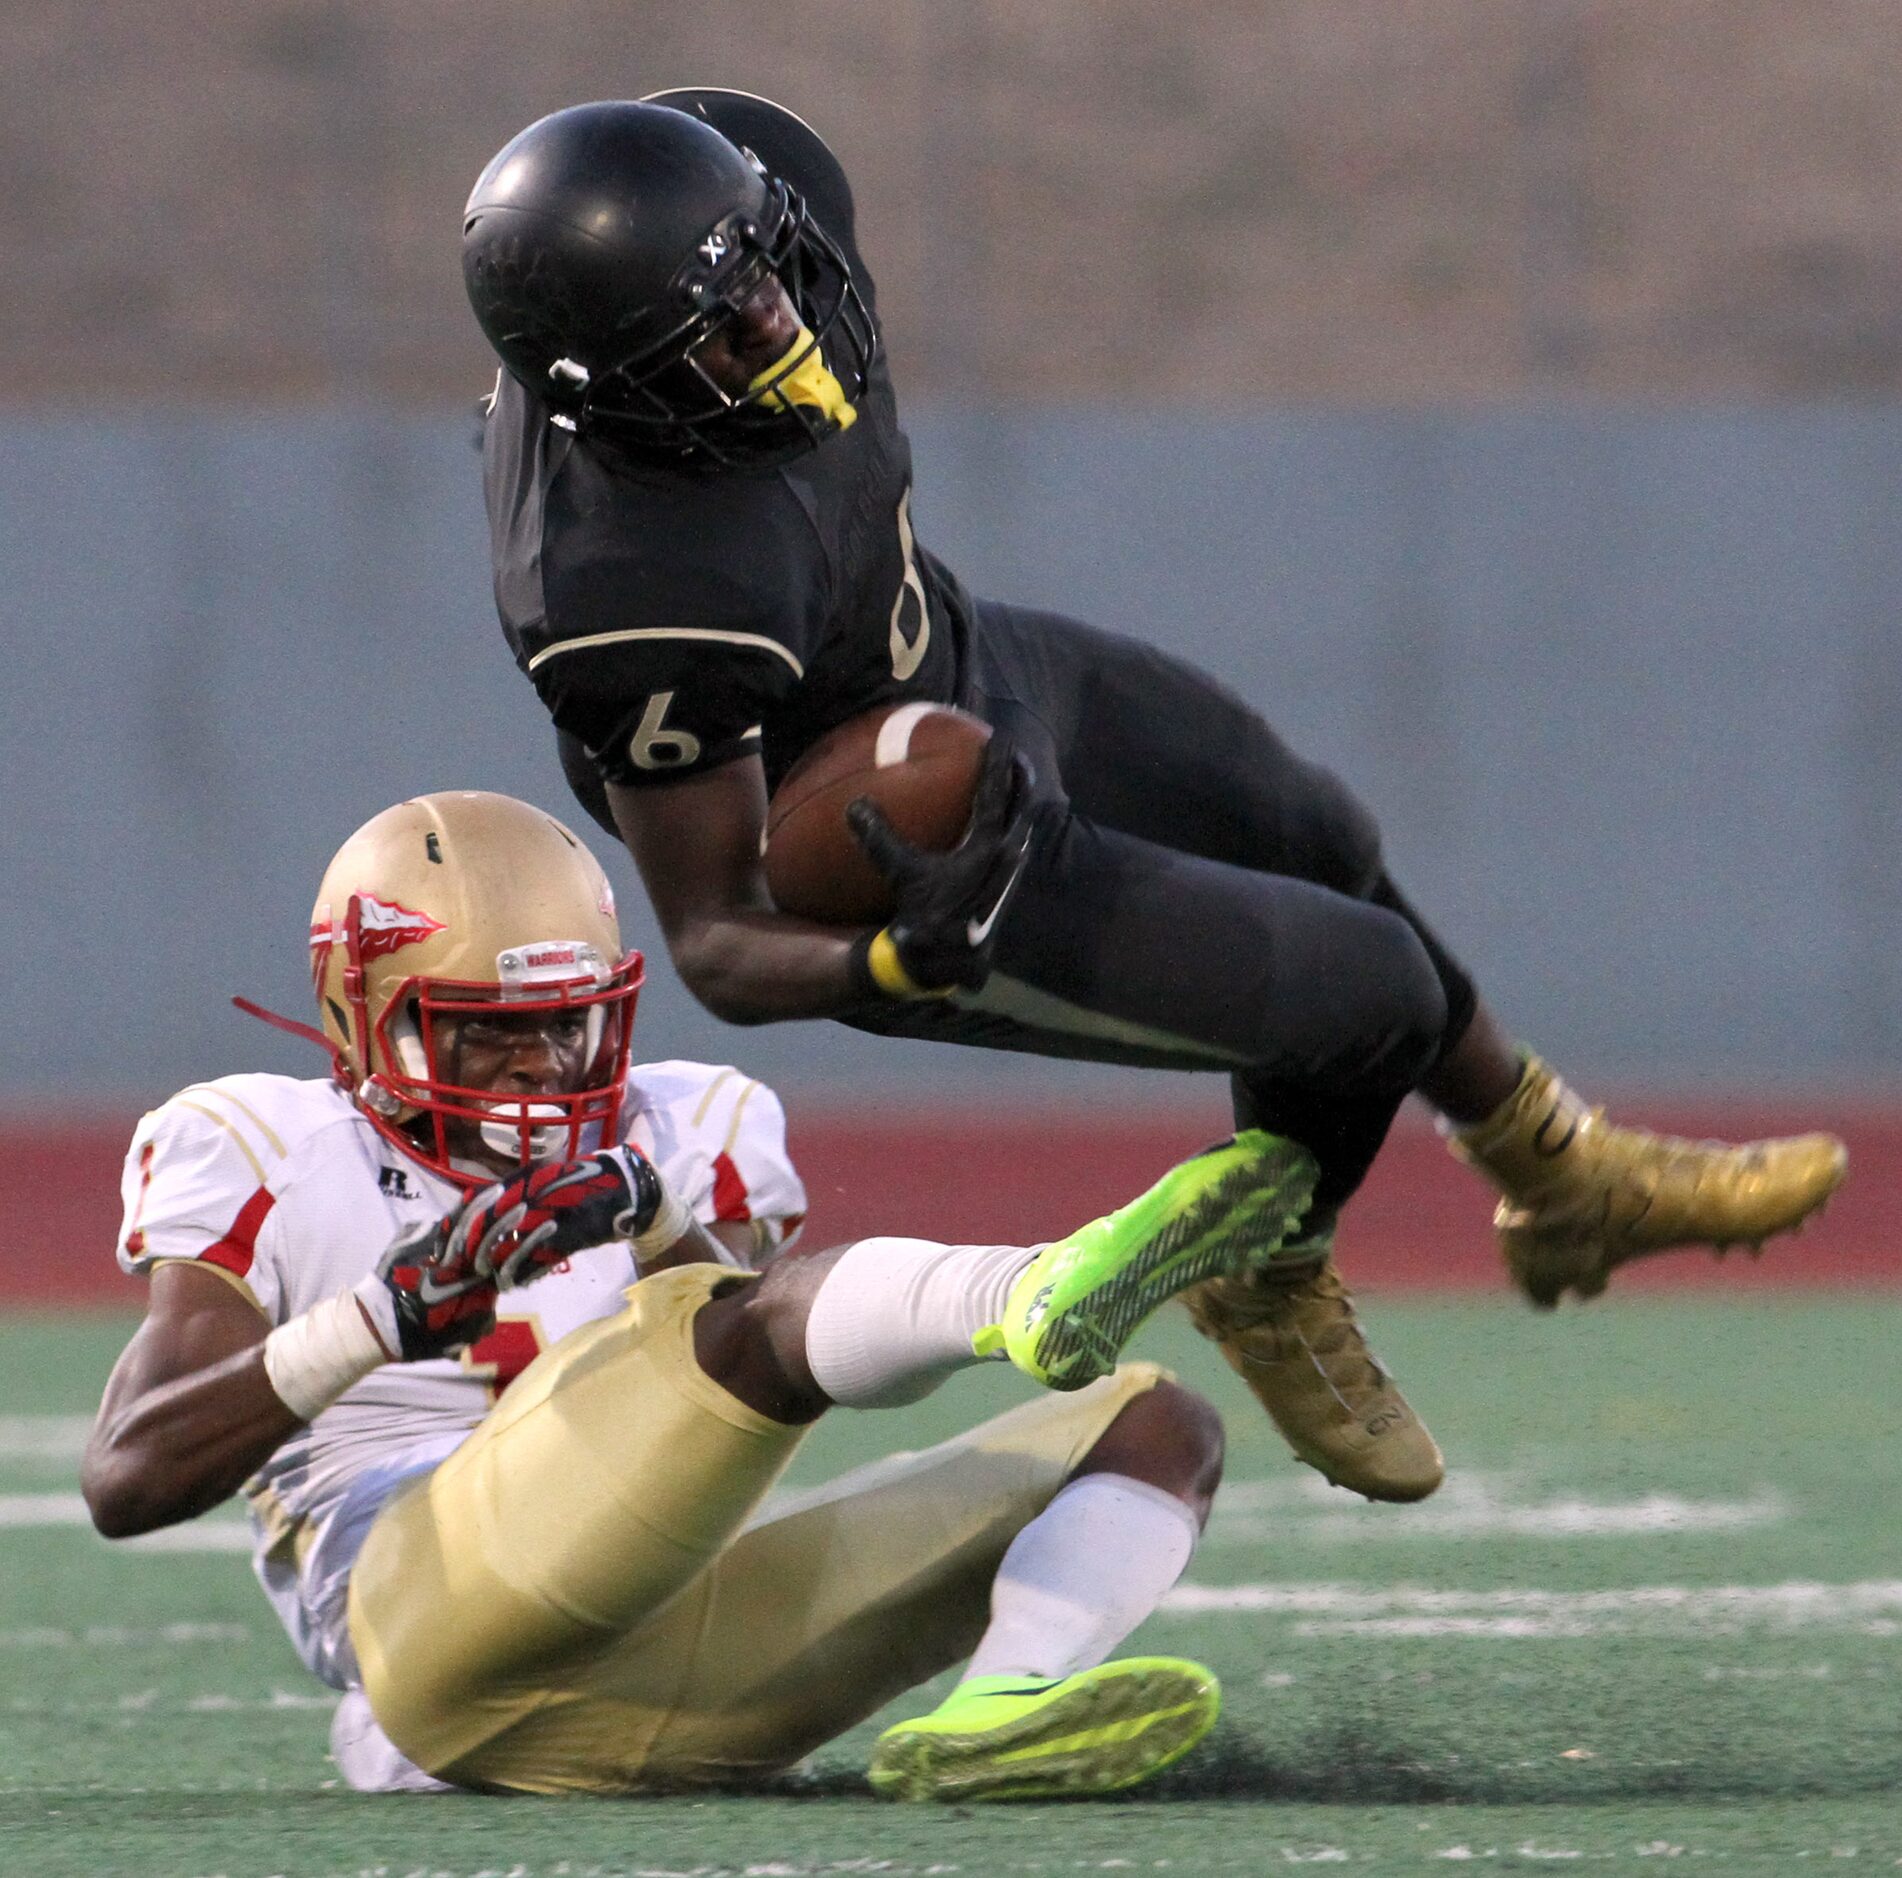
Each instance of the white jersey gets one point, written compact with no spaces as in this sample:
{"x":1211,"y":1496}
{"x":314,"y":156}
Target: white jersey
{"x":285,"y":1189}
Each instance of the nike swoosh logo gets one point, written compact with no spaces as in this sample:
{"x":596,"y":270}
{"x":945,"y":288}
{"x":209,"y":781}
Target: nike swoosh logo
{"x":977,"y":931}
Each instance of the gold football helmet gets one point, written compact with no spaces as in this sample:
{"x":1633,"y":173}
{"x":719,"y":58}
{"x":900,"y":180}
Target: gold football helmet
{"x":445,"y":907}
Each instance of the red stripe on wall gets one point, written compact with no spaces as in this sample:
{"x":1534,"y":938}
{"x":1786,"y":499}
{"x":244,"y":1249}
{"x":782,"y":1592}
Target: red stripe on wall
{"x":59,"y":1201}
{"x":1016,"y":1176}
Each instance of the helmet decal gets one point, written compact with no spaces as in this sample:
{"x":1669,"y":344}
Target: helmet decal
{"x":519,"y":921}
{"x":323,"y":935}
{"x":389,"y":928}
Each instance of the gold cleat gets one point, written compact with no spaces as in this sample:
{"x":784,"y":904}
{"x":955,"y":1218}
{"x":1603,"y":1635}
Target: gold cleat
{"x":1584,"y":1195}
{"x":1290,"y":1332}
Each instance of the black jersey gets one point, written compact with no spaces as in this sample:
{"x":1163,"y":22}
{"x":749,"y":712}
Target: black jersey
{"x":675,"y":621}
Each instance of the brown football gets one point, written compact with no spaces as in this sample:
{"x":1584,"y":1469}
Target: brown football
{"x":918,"y":762}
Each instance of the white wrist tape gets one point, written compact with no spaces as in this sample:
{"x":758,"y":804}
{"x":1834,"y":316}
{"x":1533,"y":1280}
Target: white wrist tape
{"x":672,"y":1219}
{"x":314,"y":1358}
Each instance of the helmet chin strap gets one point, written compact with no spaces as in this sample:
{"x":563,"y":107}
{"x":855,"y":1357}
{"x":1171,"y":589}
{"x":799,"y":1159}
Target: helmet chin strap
{"x":810,"y":382}
{"x":308,"y":1032}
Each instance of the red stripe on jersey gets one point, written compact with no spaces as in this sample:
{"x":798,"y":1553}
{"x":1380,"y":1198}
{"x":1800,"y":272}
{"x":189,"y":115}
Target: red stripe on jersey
{"x":239,"y":1246}
{"x":729,"y":1190}
{"x":135,"y":1239}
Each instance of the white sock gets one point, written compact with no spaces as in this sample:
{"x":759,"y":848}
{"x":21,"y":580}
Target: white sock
{"x":894,"y":1317}
{"x":1082,"y":1575}
{"x":368,"y":1759}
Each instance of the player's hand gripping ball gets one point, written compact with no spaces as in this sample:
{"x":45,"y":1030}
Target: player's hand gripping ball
{"x":443,"y":1277}
{"x":918,"y":763}
{"x":950,"y":907}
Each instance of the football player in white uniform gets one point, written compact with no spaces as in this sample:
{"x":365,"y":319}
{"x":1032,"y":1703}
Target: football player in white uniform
{"x":473,"y":1324}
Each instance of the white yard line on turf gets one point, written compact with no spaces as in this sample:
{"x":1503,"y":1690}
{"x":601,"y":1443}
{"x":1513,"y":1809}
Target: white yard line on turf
{"x":146,"y":1701}
{"x":122,"y":1636}
{"x":1873,"y":1607}
{"x":43,"y":1437}
{"x":201,"y":1535}
{"x":1472,"y":1506}
{"x":43,"y":1509}
{"x":37,"y":1511}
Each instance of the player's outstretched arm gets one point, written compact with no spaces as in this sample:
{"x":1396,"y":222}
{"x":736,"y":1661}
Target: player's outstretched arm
{"x":207,"y":1391}
{"x":189,"y":1412}
{"x":697,"y":845}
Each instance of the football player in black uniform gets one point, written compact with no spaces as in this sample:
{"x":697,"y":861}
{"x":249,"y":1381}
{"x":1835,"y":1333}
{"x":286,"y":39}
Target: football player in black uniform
{"x":699,"y":501}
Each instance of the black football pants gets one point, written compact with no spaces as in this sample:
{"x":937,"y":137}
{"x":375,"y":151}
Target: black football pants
{"x":1198,"y":897}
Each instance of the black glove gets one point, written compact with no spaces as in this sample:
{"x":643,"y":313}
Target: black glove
{"x":949,"y":905}
{"x":441,"y":1279}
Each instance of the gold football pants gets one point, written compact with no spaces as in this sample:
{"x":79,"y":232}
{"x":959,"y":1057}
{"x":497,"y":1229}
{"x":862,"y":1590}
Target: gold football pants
{"x":580,"y":1598}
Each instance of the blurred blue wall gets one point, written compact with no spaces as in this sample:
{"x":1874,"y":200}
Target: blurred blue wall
{"x":1623,"y":685}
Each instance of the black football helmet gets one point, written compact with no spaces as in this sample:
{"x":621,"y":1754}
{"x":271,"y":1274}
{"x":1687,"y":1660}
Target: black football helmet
{"x":607,"y":242}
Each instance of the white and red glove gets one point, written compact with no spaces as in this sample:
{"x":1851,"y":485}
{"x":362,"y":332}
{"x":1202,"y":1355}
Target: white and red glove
{"x":434,"y":1291}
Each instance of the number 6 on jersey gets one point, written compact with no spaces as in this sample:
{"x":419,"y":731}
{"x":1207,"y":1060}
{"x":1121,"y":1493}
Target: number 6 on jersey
{"x":653,"y":745}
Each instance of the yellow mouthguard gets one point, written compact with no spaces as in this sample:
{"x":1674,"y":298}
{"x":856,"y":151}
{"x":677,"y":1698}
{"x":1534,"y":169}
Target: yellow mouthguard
{"x":809,"y":382}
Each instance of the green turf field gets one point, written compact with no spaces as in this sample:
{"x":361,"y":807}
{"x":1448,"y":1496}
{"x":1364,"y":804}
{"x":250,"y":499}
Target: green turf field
{"x":1656,"y":1614}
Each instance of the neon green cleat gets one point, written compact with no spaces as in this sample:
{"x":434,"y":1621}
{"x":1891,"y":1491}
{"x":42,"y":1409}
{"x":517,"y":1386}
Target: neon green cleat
{"x":1220,"y":1214}
{"x":1016,"y":1738}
